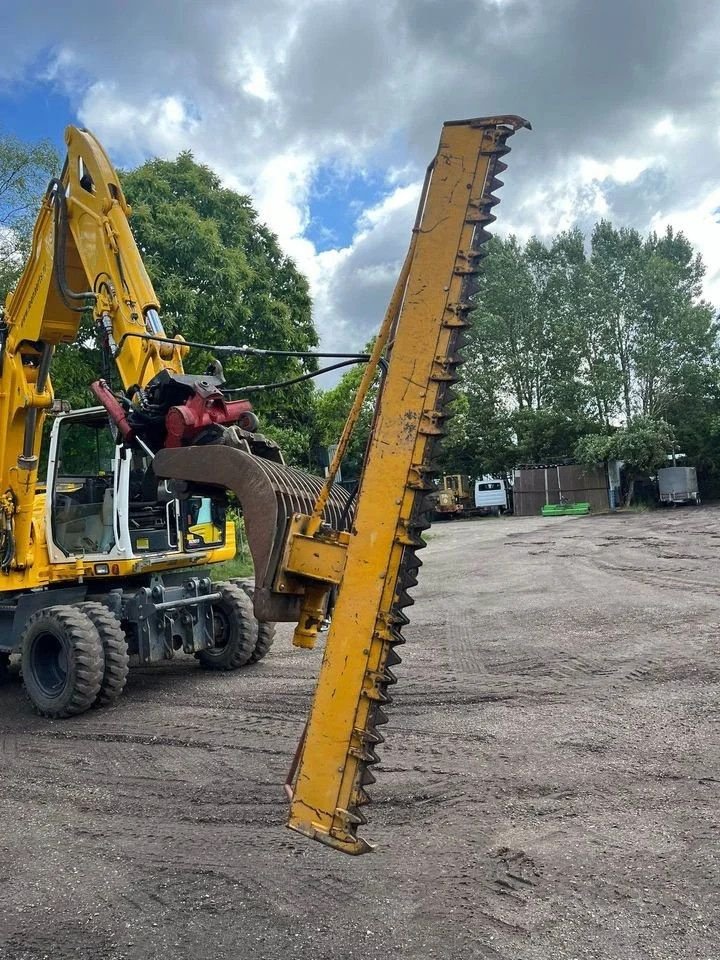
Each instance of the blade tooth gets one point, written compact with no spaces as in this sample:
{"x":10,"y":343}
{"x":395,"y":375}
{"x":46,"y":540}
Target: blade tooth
{"x":424,"y":488}
{"x":390,"y":677}
{"x":356,"y":818}
{"x":367,"y":778}
{"x":450,"y":396}
{"x":454,"y":359}
{"x":495,"y":183}
{"x":478,"y":244}
{"x":482,"y":235}
{"x":470,"y":287}
{"x":371,"y":735}
{"x":418,"y":544}
{"x":393,"y":659}
{"x":483,"y":217}
{"x":376,"y":737}
{"x":380,"y":717}
{"x":425,"y":506}
{"x":399,"y":618}
{"x":362,"y":799}
{"x":501,"y":167}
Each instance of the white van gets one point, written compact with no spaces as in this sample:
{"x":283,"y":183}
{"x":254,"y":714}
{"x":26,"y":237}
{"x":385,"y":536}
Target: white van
{"x":491,"y":495}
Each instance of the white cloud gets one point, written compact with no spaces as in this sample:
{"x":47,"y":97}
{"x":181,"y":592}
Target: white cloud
{"x":269,"y":94}
{"x":162,"y":126}
{"x":700,"y":223}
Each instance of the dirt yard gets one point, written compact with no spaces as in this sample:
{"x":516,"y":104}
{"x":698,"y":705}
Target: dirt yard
{"x":550,"y":788}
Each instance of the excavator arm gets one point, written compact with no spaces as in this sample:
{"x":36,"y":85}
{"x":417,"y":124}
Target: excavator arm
{"x":84,"y":258}
{"x":369,"y":560}
{"x":85,"y":265}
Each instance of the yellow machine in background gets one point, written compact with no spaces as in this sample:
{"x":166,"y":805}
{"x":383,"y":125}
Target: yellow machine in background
{"x":454,"y":495}
{"x":317,"y":552}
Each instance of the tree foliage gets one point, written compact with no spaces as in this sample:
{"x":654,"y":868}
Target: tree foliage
{"x":221,"y":277}
{"x":643,"y":446}
{"x":572,"y":338}
{"x":332,"y":409}
{"x":24,"y":173}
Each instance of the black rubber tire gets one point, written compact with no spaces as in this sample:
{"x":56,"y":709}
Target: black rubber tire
{"x":265,"y":638}
{"x":265,"y":631}
{"x":62,"y":661}
{"x":235,"y":631}
{"x":115,"y":652}
{"x":4,"y":667}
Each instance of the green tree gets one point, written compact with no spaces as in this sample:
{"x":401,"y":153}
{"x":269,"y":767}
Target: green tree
{"x":25,"y":169}
{"x":569,"y":339}
{"x":222,"y":278}
{"x":657,"y":332}
{"x":643,"y":446}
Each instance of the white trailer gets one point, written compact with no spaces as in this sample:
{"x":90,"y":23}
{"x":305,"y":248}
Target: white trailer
{"x":678,"y":485}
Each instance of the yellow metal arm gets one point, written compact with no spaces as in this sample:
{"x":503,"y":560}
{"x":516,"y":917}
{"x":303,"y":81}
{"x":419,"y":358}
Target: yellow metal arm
{"x":83,"y":262}
{"x":84,"y":255}
{"x":380,"y":563}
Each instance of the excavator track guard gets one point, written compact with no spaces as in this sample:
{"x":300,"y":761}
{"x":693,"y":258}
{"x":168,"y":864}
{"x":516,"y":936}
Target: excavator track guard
{"x":270,"y":494}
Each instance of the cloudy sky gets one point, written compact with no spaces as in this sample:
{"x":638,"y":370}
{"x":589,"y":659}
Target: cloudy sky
{"x":327,"y":112}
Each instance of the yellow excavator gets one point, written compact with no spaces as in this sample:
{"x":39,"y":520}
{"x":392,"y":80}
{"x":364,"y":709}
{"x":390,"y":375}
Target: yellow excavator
{"x":110,"y":553}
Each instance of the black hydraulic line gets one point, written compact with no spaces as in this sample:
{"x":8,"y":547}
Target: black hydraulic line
{"x":255,"y":387}
{"x":229,"y":350}
{"x":60,"y":237}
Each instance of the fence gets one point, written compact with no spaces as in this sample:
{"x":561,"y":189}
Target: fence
{"x":534,"y":487}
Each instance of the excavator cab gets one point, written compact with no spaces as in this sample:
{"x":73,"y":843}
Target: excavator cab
{"x":104,"y":499}
{"x":82,"y":486}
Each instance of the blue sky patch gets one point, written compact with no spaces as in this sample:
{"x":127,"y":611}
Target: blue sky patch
{"x":34,"y":111}
{"x":337,"y":198}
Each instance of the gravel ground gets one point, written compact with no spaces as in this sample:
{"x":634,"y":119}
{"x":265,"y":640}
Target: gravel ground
{"x":550,"y":787}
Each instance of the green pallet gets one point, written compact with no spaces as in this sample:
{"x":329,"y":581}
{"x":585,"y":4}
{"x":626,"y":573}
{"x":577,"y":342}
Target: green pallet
{"x":566,"y":510}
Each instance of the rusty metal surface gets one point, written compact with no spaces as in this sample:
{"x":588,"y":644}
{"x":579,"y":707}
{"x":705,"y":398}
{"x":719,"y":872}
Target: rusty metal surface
{"x":269,"y":494}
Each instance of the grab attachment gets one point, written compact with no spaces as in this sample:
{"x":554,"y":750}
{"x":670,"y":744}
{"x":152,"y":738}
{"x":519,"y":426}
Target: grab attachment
{"x":276,"y":501}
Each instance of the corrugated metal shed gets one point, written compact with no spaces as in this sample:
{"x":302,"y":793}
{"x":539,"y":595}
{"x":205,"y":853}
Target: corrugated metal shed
{"x":536,"y":486}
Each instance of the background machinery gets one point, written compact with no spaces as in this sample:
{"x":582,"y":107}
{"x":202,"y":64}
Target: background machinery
{"x":318,"y":553}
